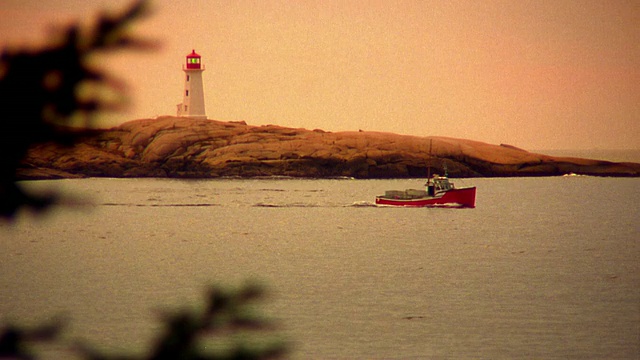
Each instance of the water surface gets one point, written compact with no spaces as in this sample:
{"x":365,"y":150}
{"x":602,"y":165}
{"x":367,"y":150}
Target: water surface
{"x":541,"y":268}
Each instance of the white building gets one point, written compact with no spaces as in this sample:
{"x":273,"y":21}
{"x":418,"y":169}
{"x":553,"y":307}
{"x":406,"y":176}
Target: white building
{"x":193,"y":96}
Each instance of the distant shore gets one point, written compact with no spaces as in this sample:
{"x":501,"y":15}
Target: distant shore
{"x":613,"y":155}
{"x":176,"y":147}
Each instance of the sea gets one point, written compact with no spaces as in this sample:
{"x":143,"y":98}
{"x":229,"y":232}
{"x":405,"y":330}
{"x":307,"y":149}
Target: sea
{"x":542,"y":268}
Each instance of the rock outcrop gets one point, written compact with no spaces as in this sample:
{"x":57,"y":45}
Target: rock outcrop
{"x":188,"y":148}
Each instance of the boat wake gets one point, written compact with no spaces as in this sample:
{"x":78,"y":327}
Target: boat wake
{"x":291,"y":205}
{"x":160,"y":205}
{"x":449,"y":206}
{"x":356,"y":204}
{"x":362,"y":204}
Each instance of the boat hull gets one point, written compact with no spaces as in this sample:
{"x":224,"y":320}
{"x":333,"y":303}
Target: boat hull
{"x":463,"y":197}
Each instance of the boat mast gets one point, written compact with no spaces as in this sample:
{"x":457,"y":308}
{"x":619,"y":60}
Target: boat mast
{"x":429,"y":164}
{"x":430,"y":185}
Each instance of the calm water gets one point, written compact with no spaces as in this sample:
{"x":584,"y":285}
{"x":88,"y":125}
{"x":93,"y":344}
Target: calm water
{"x":544,"y":268}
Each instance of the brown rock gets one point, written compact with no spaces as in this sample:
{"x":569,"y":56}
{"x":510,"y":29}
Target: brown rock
{"x":182,"y":147}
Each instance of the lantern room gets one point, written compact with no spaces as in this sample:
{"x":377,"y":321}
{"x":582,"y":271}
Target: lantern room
{"x":193,"y":60}
{"x":193,"y":94}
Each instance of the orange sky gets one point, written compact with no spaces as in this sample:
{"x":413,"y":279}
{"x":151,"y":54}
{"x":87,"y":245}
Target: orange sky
{"x":553,"y":74}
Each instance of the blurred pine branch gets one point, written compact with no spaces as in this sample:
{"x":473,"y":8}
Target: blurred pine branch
{"x":227,"y":328}
{"x":44,"y":92}
{"x":41,"y":96}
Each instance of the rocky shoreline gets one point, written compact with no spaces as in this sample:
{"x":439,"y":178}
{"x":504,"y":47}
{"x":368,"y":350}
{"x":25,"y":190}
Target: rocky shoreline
{"x":175,"y":147}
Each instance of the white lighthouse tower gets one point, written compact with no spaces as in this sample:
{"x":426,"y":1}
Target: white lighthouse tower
{"x":193,"y":96}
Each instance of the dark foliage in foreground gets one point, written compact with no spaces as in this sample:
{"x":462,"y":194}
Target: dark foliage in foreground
{"x":226,"y":328}
{"x":15,"y":341}
{"x":43,"y":92}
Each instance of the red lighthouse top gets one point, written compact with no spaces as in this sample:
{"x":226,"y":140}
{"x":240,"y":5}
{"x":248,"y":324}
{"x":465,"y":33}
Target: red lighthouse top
{"x":193,"y":60}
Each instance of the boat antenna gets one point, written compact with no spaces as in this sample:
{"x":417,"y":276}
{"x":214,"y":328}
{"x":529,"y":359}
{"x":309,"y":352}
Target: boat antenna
{"x":429,"y":163}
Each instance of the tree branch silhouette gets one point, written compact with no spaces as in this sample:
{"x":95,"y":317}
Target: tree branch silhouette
{"x":41,"y":96}
{"x":227,"y":313}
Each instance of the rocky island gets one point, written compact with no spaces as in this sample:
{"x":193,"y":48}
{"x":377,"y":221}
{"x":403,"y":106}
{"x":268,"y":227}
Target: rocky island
{"x":179,"y":147}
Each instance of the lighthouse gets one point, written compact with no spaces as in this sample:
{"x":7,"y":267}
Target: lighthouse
{"x":193,"y":94}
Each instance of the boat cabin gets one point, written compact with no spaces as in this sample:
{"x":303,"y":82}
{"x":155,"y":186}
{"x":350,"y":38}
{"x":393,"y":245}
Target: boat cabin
{"x":438,"y":184}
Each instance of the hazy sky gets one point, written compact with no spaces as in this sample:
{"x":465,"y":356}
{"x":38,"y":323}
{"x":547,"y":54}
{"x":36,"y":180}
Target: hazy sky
{"x":541,"y":74}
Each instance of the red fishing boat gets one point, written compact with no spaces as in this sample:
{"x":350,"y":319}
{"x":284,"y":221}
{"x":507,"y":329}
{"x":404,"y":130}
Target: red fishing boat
{"x":439,"y":192}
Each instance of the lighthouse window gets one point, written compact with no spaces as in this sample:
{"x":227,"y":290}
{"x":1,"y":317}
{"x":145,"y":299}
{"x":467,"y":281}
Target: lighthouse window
{"x":187,"y":92}
{"x":187,"y":77}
